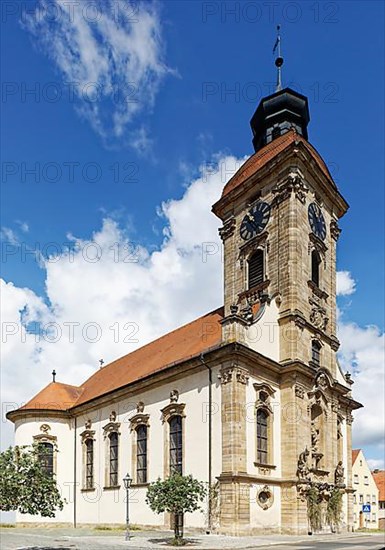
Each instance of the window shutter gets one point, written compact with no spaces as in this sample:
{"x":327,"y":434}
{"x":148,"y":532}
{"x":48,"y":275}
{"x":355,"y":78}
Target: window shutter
{"x":256,"y":269}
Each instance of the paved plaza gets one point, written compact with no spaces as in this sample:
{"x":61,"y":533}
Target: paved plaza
{"x":88,"y":539}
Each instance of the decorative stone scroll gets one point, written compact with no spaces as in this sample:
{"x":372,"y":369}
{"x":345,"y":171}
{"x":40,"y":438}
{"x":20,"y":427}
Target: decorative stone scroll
{"x":173,"y":409}
{"x":335,"y":230}
{"x":293,"y":184}
{"x":139,"y":420}
{"x":228,"y":229}
{"x":318,"y":317}
{"x":226,"y":375}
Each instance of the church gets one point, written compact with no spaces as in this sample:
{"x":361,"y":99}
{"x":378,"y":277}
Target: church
{"x":249,"y":398}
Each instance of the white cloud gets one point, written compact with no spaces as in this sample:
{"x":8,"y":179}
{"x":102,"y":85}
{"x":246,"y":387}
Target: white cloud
{"x":8,"y":235}
{"x":112,"y":55}
{"x":138,"y":292}
{"x":346,"y":285}
{"x":362,"y":354}
{"x":376,"y":463}
{"x":24,"y":227}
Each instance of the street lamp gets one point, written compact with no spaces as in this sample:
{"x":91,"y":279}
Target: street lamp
{"x":127,"y":484}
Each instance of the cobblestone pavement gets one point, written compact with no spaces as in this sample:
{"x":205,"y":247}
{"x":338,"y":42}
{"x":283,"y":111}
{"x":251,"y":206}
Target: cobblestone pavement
{"x":83,"y":539}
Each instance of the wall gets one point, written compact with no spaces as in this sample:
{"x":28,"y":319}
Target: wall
{"x":365,"y":487}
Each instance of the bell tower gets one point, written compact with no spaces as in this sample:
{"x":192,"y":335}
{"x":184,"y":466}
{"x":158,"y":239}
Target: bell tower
{"x":280,"y":216}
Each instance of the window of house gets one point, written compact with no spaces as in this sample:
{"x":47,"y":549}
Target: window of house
{"x":355,"y":499}
{"x":366,"y":480}
{"x":45,"y":455}
{"x":176,"y":445}
{"x":315,"y":267}
{"x":114,"y":450}
{"x":262,"y":436}
{"x":367,"y":499}
{"x":141,"y":454}
{"x":316,"y":353}
{"x":373,"y":517}
{"x":256,"y":268}
{"x":355,"y":478}
{"x":374,"y":501}
{"x":89,"y":470}
{"x":361,"y":499}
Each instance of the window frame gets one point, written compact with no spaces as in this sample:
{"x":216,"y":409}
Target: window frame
{"x":176,"y":451}
{"x":252,"y":283}
{"x":262,"y":453}
{"x":316,"y":353}
{"x":113,"y":461}
{"x":315,"y":268}
{"x":89,"y":473}
{"x":141,"y":472}
{"x":47,"y":459}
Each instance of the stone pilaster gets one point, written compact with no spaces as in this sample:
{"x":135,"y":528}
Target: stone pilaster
{"x":235,"y":494}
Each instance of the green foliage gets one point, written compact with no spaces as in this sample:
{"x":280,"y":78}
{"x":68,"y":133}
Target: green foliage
{"x":314,"y":511}
{"x":334,"y":509}
{"x":25,"y":485}
{"x":177,"y":495}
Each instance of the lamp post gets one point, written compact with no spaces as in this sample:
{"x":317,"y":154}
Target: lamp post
{"x":127,"y":484}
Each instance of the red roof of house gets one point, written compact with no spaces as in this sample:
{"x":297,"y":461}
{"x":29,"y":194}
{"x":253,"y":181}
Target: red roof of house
{"x":379,"y":478}
{"x":355,"y":453}
{"x":179,"y":345}
{"x":267,"y":153}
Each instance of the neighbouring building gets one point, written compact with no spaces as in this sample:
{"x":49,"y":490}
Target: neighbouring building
{"x":249,"y":397}
{"x":379,"y":478}
{"x":365,"y":493}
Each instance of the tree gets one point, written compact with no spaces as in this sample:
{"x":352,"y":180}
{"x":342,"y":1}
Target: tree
{"x":26,"y":485}
{"x":177,"y":495}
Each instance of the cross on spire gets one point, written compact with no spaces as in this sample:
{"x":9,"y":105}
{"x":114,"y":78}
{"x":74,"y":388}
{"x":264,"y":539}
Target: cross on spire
{"x":53,"y":375}
{"x":278,"y":59}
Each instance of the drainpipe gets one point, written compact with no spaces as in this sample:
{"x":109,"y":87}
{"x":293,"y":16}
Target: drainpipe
{"x":210,"y":373}
{"x":75,"y":430}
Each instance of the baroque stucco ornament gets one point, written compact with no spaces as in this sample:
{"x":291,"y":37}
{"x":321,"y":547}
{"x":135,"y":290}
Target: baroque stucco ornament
{"x":226,"y":375}
{"x":265,"y":497}
{"x":294,"y":183}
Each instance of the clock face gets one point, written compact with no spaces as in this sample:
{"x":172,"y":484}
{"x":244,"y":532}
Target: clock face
{"x":317,"y":221}
{"x":255,"y":220}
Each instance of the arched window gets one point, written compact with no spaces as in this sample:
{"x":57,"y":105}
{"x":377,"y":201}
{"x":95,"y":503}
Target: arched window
{"x":141,"y":454}
{"x":262,"y":436}
{"x":114,"y":452}
{"x":176,"y":445}
{"x":316,"y":353}
{"x":315,"y":267}
{"x":256,"y":268}
{"x":89,"y":466}
{"x":45,"y":455}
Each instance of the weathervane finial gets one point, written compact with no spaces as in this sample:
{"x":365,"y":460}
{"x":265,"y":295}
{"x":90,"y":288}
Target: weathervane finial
{"x":279,"y":59}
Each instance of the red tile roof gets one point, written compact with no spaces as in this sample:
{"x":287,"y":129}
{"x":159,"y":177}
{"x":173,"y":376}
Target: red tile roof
{"x":55,"y":396}
{"x":355,"y":453}
{"x":267,"y":153}
{"x":176,"y":346}
{"x":379,"y":478}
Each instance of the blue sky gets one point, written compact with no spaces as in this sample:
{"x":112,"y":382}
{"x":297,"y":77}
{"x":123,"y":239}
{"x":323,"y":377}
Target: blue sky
{"x":186,"y":113}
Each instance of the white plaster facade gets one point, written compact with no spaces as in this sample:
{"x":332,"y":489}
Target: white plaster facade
{"x":365,"y":492}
